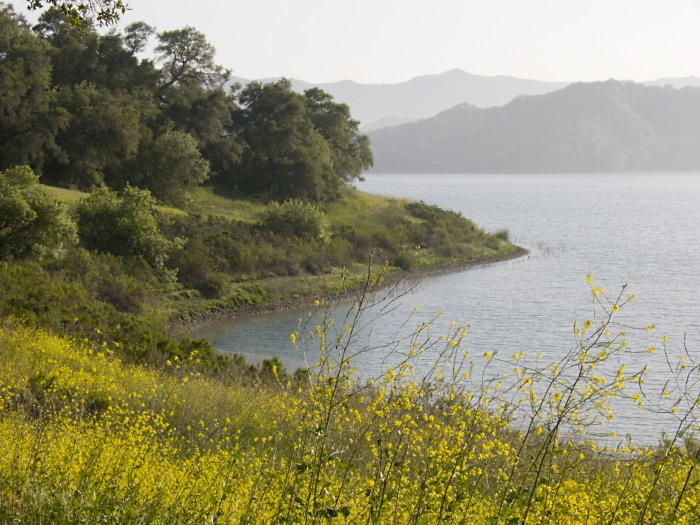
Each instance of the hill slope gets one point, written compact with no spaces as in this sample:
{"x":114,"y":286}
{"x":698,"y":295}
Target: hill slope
{"x":585,"y":127}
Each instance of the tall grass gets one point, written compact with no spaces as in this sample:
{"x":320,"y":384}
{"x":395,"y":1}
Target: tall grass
{"x":467,"y":439}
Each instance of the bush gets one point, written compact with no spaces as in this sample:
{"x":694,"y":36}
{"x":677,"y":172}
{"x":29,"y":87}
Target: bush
{"x":123,"y":225}
{"x":295,"y":218}
{"x":504,"y":235}
{"x":32,"y":221}
{"x":173,"y":166}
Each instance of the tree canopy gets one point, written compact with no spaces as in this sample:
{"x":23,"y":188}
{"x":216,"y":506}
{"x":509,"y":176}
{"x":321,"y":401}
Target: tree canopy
{"x":187,"y":58}
{"x":297,"y":146}
{"x":84,"y":109}
{"x":83,"y":13}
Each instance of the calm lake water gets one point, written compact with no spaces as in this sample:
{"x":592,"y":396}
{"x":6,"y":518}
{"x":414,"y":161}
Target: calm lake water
{"x":638,"y":229}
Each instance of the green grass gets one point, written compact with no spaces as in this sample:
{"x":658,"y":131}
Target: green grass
{"x":206,"y":201}
{"x":358,"y":209}
{"x":70,"y":197}
{"x":365,"y":211}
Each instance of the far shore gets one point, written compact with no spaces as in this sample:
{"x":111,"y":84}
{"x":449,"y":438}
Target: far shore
{"x":190,"y":320}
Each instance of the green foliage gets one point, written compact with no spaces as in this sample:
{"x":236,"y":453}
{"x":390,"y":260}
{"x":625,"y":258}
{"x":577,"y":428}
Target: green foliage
{"x":284,"y":156}
{"x":504,"y":235}
{"x":296,"y":146}
{"x":298,"y":239}
{"x":100,"y":136}
{"x":32,"y":221}
{"x":350,"y":151}
{"x":84,"y":110}
{"x":295,"y":218}
{"x":188,"y":59}
{"x":136,"y":36}
{"x":100,"y":297}
{"x":207,"y":115}
{"x":105,"y":12}
{"x":30,"y":119}
{"x":125,"y":224}
{"x":172,"y":166}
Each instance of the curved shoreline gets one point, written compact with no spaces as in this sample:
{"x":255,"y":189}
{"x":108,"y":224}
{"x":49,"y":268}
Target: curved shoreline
{"x":189,"y":320}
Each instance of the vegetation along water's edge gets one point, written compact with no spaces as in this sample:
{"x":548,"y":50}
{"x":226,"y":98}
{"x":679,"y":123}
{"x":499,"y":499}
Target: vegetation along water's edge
{"x":191,"y":319}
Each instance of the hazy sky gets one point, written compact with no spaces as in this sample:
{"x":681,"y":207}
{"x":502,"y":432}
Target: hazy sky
{"x":375,"y":41}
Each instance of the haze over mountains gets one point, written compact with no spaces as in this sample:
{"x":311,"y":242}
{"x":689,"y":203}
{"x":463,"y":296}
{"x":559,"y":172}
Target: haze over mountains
{"x":584,"y":127}
{"x":425,"y":96}
{"x":379,"y":105}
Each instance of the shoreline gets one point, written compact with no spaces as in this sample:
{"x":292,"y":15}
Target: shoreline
{"x":187,"y":321}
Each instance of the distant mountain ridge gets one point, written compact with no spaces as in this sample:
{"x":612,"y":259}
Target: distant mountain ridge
{"x":584,"y":127}
{"x":425,"y":96}
{"x":676,"y":82}
{"x":381,"y":105}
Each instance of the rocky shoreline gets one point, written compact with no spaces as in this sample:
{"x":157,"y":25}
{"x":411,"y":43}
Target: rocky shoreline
{"x":188,"y":320}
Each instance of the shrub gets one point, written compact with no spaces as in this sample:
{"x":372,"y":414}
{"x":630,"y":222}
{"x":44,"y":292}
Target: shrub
{"x":504,"y":235}
{"x":173,"y":166}
{"x":124,"y":225}
{"x":295,"y":218}
{"x":32,"y":221}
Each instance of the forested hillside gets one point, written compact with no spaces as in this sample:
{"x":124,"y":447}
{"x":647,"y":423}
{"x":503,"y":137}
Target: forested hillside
{"x":585,"y":127}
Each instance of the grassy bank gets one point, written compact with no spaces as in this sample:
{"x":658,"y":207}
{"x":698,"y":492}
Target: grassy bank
{"x":396,"y":234}
{"x":225,"y":260}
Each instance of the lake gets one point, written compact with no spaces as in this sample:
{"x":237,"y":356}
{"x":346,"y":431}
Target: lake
{"x":638,"y":229}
